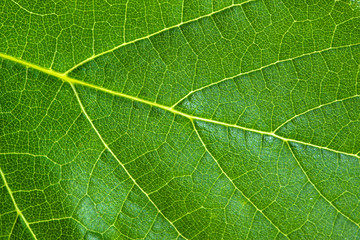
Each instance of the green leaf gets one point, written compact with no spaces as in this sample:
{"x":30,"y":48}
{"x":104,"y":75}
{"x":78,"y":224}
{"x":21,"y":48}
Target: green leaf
{"x":181,"y":119}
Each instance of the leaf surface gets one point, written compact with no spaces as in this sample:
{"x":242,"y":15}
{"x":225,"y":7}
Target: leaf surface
{"x":180,"y":119}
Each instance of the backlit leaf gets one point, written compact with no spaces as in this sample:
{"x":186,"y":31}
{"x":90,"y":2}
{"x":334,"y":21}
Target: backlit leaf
{"x":181,"y":119}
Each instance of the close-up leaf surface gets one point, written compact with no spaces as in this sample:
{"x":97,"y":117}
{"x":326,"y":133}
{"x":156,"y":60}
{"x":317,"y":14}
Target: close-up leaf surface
{"x":180,"y":119}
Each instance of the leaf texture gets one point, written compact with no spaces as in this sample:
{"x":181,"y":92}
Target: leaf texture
{"x":183,"y":119}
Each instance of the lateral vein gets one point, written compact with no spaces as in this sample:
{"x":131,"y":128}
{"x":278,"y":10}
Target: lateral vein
{"x":320,"y":193}
{"x":153,"y":34}
{"x":112,"y":153}
{"x":248,"y":199}
{"x":19,"y":213}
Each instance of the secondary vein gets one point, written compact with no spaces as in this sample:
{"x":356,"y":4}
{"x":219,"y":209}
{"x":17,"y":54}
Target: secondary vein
{"x":153,"y":34}
{"x":320,"y":193}
{"x":121,"y":164}
{"x":15,"y":204}
{"x":248,"y":199}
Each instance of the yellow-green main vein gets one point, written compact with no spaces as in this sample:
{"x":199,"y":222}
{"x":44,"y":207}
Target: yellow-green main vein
{"x":70,"y":80}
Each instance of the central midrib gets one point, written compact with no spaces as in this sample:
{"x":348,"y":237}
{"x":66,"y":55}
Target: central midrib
{"x":68,"y":79}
